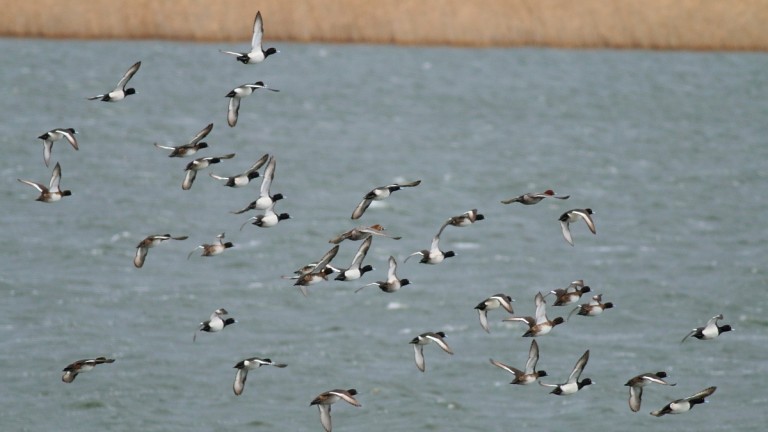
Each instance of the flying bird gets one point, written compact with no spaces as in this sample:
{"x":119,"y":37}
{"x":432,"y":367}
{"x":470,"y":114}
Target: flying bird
{"x":540,"y":325}
{"x":465,"y":219}
{"x":533,"y":198}
{"x":393,"y":283}
{"x":266,"y":220}
{"x":637,"y":383}
{"x":680,"y":406}
{"x":573,"y":384}
{"x":360,"y":233}
{"x":191,"y":147}
{"x":244,"y":178}
{"x":216,"y":323}
{"x":326,"y":399}
{"x":423,"y":339}
{"x":572,"y":216}
{"x":53,"y":192}
{"x":493,"y":302}
{"x":238,"y":93}
{"x":570,"y":294}
{"x":54,"y":135}
{"x":595,"y":307}
{"x":120,"y":92}
{"x":530,"y":374}
{"x":356,"y":269}
{"x":379,"y":194}
{"x":318,"y":273}
{"x":246,"y":365}
{"x":149,"y":242}
{"x":266,"y":199}
{"x":190,"y":171}
{"x":433,"y":255}
{"x":214,"y":248}
{"x":257,"y":54}
{"x":709,"y":331}
{"x":85,"y":365}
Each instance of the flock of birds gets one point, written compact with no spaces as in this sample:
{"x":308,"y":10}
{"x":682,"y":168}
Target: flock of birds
{"x":319,"y":271}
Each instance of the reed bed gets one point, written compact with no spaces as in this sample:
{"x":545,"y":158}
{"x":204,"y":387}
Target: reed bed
{"x":644,"y":24}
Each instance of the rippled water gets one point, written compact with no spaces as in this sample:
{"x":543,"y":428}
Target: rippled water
{"x":669,"y":149}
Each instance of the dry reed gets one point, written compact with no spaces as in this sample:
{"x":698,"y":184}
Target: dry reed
{"x":649,"y":24}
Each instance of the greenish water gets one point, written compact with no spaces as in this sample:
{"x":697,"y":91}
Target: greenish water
{"x":669,"y":149}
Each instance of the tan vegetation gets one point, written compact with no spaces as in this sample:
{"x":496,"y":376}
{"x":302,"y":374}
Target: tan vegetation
{"x":652,"y":24}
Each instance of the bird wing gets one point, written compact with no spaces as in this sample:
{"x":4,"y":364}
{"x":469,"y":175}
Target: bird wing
{"x":702,"y":394}
{"x":391,"y":272}
{"x":232,"y":111}
{"x":483,"y":319}
{"x":578,"y":368}
{"x":258,"y":164}
{"x":55,"y":179}
{"x":128,"y":75}
{"x":239,"y":384}
{"x":189,"y":178}
{"x":141,"y":254}
{"x":418,"y":351}
{"x":361,"y":252}
{"x":35,"y":185}
{"x":326,"y":258}
{"x":47,"y":149}
{"x":70,"y":137}
{"x":269,"y":174}
{"x":202,"y":134}
{"x":533,"y":358}
{"x":258,"y":32}
{"x":566,"y":232}
{"x":587,"y":219}
{"x":440,"y":342}
{"x":325,"y":416}
{"x":541,"y":309}
{"x":411,"y":184}
{"x":635,"y":395}
{"x":361,"y":208}
{"x":507,"y":368}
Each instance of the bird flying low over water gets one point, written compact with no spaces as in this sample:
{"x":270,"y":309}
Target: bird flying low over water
{"x":433,"y":255}
{"x":244,"y":178}
{"x":214,"y":248}
{"x":265,"y":199}
{"x":54,"y":135}
{"x":53,"y":192}
{"x":572,"y":216}
{"x":709,"y":331}
{"x":540,"y":325}
{"x":493,"y":302}
{"x":326,"y":399}
{"x":120,"y":92}
{"x":573,"y":384}
{"x":216,"y":323}
{"x":464,"y":219}
{"x":595,"y":307}
{"x":530,"y":374}
{"x":257,"y":54}
{"x":533,"y":198}
{"x":570,"y":294}
{"x":149,"y":242}
{"x":318,"y":273}
{"x":356,"y":269}
{"x":246,"y":365}
{"x":680,"y":406}
{"x":266,"y":220}
{"x":637,"y":383}
{"x":360,"y":233}
{"x":392,"y":283}
{"x":190,"y":148}
{"x":379,"y":194}
{"x":238,"y":93}
{"x":190,"y":172}
{"x":85,"y":365}
{"x":423,"y":339}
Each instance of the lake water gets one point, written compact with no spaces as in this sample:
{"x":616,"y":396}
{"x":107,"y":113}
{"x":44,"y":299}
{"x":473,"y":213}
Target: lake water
{"x":668,"y":148}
